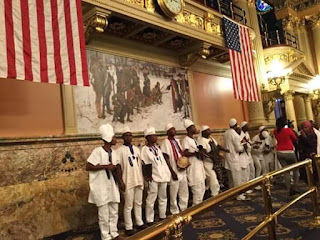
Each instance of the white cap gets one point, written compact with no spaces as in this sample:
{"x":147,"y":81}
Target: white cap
{"x":232,"y":122}
{"x":149,"y":131}
{"x":126,"y":129}
{"x":204,"y":127}
{"x":261,"y":128}
{"x":188,"y":123}
{"x":265,"y":134}
{"x":106,"y":131}
{"x":243,"y":124}
{"x":168,"y":126}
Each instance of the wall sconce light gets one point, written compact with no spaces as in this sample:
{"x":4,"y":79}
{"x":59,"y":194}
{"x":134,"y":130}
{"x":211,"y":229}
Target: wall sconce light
{"x":278,"y":73}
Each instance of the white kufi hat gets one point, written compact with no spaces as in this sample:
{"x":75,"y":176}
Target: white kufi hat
{"x":204,"y":127}
{"x":232,"y":122}
{"x":106,"y":131}
{"x":126,"y":129}
{"x":149,"y":131}
{"x":188,"y":123}
{"x":169,"y":126}
{"x":261,"y":128}
{"x":243,"y":124}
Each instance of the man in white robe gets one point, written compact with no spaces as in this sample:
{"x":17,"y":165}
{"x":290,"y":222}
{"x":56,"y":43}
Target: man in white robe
{"x":131,"y":164}
{"x":172,"y":151}
{"x":151,"y":154}
{"x":104,"y":191}
{"x":195,"y":172}
{"x":211,"y":175}
{"x":232,"y":142}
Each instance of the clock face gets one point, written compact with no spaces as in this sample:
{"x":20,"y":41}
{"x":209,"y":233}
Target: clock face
{"x":174,"y":6}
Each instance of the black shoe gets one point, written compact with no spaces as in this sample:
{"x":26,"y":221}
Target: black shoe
{"x":130,"y":232}
{"x":149,"y":224}
{"x":161,"y":219}
{"x":142,"y":227}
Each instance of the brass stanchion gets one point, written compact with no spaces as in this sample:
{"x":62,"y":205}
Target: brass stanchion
{"x":314,"y":192}
{"x":317,"y":163}
{"x":266,"y":191}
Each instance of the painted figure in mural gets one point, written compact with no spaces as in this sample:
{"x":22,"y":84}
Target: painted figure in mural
{"x":98,"y":74}
{"x":176,"y":93}
{"x":184,"y":86}
{"x":108,"y":88}
{"x":146,"y":83}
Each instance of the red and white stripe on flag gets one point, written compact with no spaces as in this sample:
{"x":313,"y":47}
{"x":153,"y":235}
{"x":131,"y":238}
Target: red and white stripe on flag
{"x":244,"y":79}
{"x":43,"y":41}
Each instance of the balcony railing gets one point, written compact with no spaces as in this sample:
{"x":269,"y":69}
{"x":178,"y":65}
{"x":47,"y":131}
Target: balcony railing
{"x":277,"y":37}
{"x":226,"y":7}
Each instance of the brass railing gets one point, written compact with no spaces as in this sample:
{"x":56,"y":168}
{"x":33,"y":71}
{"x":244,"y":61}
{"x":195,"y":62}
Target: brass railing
{"x":171,"y":228}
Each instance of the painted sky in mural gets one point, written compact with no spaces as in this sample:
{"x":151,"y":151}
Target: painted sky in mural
{"x":129,"y":92}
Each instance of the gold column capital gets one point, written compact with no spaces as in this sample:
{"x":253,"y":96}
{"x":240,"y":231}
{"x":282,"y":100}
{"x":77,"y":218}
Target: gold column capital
{"x":290,"y":23}
{"x":96,"y":20}
{"x":314,"y":21}
{"x":288,"y":95}
{"x":308,"y":97}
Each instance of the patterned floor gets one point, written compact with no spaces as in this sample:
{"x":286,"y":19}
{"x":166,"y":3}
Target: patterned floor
{"x":234,"y":219}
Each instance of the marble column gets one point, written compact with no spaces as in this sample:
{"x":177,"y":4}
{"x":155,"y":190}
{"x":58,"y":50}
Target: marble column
{"x":256,"y":114}
{"x":69,"y":111}
{"x":304,"y":44}
{"x":308,"y":104}
{"x":300,"y":109}
{"x":315,"y":24}
{"x":291,"y":115}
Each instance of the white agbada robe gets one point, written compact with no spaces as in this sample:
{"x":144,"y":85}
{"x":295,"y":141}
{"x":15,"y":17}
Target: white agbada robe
{"x":104,"y":192}
{"x":270,"y":157}
{"x":158,"y":186}
{"x":232,"y":142}
{"x":208,"y":166}
{"x":195,"y":172}
{"x":257,"y":155}
{"x":130,"y":161}
{"x":180,"y":186}
{"x":246,"y":161}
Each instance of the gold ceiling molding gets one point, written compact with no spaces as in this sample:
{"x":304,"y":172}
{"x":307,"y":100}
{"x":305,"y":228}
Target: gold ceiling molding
{"x":150,"y":6}
{"x":190,"y":19}
{"x":96,"y":20}
{"x":136,"y":2}
{"x":189,"y":58}
{"x":211,"y":26}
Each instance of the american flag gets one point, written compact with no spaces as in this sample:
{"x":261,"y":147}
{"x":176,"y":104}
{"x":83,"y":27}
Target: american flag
{"x":43,"y":41}
{"x":238,"y":41}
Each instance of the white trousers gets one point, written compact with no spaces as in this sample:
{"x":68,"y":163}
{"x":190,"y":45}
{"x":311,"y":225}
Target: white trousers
{"x":133,"y":199}
{"x":252,"y":171}
{"x":155,"y":190}
{"x":179,"y":188}
{"x":234,"y":177}
{"x":211,"y":178}
{"x":245,"y":174}
{"x":108,"y":220}
{"x":198,"y":193}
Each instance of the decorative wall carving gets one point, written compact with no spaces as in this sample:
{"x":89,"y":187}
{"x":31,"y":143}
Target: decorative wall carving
{"x":191,"y":19}
{"x":211,"y":26}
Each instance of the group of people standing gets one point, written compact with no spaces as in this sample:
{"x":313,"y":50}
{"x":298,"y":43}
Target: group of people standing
{"x":190,"y":164}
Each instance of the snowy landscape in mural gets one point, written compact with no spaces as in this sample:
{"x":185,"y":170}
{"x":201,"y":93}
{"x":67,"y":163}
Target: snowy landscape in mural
{"x":130,"y":92}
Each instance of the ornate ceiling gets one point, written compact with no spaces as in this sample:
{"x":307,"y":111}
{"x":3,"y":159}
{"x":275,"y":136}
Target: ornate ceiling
{"x":124,"y":27}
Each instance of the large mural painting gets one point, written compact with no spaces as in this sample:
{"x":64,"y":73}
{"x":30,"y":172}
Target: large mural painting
{"x":130,"y":92}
